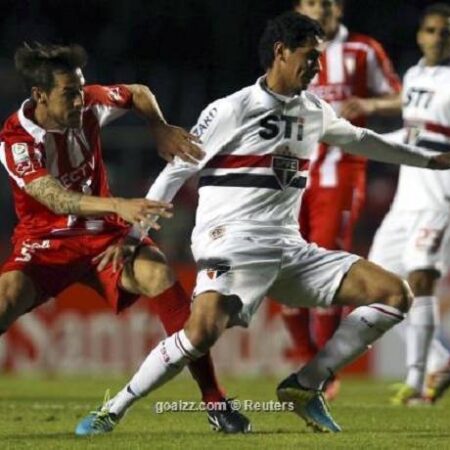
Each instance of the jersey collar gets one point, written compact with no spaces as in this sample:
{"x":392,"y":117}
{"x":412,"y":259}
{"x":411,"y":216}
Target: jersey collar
{"x":28,"y":125}
{"x":269,"y":98}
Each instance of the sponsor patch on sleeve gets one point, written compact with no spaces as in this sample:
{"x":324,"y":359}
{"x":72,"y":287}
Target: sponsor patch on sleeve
{"x":20,"y":152}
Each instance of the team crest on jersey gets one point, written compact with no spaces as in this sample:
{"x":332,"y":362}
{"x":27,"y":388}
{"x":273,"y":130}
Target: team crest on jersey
{"x":114,"y":94}
{"x":20,"y":152}
{"x":285,"y":166}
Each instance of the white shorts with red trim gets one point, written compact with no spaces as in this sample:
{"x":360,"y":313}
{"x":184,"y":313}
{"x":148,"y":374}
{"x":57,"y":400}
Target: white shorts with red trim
{"x":409,"y":241}
{"x":254,"y":263}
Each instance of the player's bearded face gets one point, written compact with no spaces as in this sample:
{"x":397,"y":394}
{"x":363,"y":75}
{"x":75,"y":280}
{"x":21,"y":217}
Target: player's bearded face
{"x":434,"y":38}
{"x":66,"y":100}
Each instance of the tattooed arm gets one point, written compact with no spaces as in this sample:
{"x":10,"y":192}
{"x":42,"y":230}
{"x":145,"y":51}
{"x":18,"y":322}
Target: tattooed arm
{"x":50,"y":192}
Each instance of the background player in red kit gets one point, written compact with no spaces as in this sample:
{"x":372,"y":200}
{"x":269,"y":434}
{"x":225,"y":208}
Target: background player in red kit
{"x":357,"y":79}
{"x":66,"y":214}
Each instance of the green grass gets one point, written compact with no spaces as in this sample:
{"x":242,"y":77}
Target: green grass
{"x":41,"y":413}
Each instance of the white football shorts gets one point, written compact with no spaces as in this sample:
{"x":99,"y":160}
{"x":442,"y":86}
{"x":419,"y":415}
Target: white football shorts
{"x":267,"y":262}
{"x":411,"y":240}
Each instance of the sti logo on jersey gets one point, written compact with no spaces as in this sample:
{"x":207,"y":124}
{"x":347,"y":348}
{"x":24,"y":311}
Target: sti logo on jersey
{"x":285,"y":169}
{"x":418,"y":98}
{"x":293,"y":126}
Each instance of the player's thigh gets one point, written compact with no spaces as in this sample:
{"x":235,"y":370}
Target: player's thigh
{"x":310,"y":275}
{"x":367,"y":283}
{"x":17,"y":295}
{"x":389,"y":244}
{"x":147,"y":272}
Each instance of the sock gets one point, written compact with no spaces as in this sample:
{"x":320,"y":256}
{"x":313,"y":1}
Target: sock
{"x":438,"y":355}
{"x":326,"y":322}
{"x":355,"y":333}
{"x":297,"y":321}
{"x":165,"y":361}
{"x":173,"y":307}
{"x":422,"y":318}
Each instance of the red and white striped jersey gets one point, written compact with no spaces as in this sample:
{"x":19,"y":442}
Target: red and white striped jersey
{"x":73,"y":156}
{"x":352,"y":65}
{"x":426,"y":115}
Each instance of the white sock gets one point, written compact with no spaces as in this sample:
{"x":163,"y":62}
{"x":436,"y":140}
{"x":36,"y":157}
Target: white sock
{"x":165,"y":361}
{"x":422,"y":319}
{"x":355,"y":333}
{"x":438,"y":356}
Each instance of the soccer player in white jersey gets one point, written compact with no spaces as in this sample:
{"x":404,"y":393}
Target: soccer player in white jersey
{"x":357,"y":79}
{"x":410,"y":240}
{"x":246,"y":242}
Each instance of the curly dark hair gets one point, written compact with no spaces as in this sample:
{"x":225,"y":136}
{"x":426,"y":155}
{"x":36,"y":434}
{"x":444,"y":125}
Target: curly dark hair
{"x":290,"y":28}
{"x":435,"y":9}
{"x":36,"y":63}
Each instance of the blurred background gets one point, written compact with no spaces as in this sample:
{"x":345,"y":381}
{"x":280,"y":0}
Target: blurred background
{"x":189,"y":52}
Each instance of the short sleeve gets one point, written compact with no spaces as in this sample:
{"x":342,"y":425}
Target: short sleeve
{"x":108,"y":102}
{"x":336,"y":130}
{"x":24,"y":161}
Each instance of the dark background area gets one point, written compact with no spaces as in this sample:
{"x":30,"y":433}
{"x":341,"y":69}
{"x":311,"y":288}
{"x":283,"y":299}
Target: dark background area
{"x":189,"y":52}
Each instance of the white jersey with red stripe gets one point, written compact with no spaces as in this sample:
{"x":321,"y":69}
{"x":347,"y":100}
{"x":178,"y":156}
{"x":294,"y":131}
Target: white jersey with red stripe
{"x":352,"y":65}
{"x":258,"y":145}
{"x":73,"y":156}
{"x":426,"y":115}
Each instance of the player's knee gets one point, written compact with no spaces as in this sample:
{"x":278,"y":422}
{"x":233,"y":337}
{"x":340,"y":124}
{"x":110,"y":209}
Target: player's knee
{"x":422,"y":282}
{"x":159,"y":278}
{"x":13,"y":302}
{"x":208,"y":320}
{"x":399,"y":295}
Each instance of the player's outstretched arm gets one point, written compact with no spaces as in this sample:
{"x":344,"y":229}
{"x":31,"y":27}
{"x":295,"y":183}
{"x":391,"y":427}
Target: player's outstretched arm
{"x":50,"y":192}
{"x":375,"y":147}
{"x":170,"y":140}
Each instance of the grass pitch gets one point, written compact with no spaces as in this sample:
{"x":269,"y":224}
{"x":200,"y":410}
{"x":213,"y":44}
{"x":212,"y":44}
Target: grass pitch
{"x":41,"y":413}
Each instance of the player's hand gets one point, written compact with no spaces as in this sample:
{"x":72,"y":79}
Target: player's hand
{"x":355,"y":107}
{"x":140,"y":210}
{"x":117,"y":254}
{"x":174,"y":141}
{"x":440,"y":162}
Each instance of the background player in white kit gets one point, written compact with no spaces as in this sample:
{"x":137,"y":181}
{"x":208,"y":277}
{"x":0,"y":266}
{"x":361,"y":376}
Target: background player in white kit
{"x":410,"y":241}
{"x":246,"y":242}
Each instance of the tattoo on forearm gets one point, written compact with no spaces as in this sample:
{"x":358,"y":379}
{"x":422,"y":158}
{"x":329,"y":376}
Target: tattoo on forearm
{"x":50,"y":192}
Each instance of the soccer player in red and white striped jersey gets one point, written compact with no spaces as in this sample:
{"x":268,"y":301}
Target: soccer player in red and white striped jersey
{"x":358,"y":80}
{"x":70,"y":229}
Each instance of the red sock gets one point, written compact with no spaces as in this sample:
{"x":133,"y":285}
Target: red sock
{"x":173,"y":307}
{"x":326,"y":322}
{"x":297,"y":323}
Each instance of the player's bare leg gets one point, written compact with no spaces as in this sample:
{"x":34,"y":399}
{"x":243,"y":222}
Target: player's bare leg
{"x":422,"y":320}
{"x":381,"y":299}
{"x":188,"y":346}
{"x":17,"y":296}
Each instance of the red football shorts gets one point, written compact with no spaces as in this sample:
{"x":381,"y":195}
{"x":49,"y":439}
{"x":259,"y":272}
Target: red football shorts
{"x":55,"y":264}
